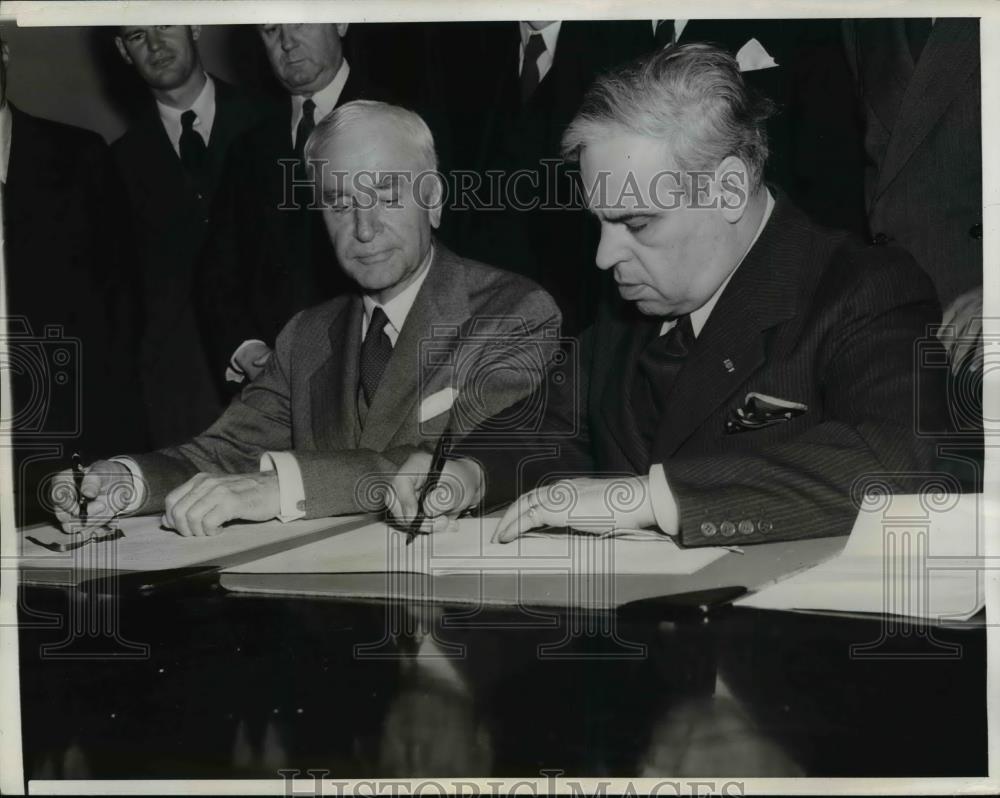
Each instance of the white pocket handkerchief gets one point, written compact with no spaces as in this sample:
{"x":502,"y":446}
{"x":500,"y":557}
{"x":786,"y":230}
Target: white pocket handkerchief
{"x":437,"y":403}
{"x":752,"y":56}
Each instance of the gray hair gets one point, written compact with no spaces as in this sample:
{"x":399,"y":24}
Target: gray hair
{"x":691,"y":96}
{"x":410,"y":124}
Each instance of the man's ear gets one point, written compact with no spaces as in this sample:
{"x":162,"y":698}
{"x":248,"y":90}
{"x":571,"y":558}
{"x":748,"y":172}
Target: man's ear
{"x":733,"y":182}
{"x":342,"y":29}
{"x":4,"y":52}
{"x":432,"y":196}
{"x":195,"y":32}
{"x":121,"y":49}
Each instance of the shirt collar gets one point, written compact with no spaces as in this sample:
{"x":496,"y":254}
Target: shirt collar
{"x":326,"y":98}
{"x":203,"y":106}
{"x":700,"y":316}
{"x":6,"y":129}
{"x":549,"y":34}
{"x":398,"y":308}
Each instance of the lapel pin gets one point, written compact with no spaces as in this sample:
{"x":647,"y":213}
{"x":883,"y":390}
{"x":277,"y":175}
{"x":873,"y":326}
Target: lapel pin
{"x":729,"y":365}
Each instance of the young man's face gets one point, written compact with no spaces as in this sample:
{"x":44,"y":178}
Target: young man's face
{"x":164,"y":55}
{"x":666,"y":256}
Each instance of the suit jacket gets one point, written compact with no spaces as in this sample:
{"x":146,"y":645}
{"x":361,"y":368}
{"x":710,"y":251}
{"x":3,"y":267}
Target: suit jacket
{"x":306,"y":400}
{"x":170,"y":215}
{"x":815,"y":135}
{"x":494,"y":130}
{"x":811,"y":316}
{"x":923,"y":141}
{"x":260,"y":265}
{"x":65,"y":271}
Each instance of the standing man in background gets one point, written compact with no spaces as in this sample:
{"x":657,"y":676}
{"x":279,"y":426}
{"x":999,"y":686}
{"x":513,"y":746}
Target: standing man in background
{"x":170,"y":161}
{"x":68,"y":293}
{"x":919,"y":88}
{"x":508,"y":117}
{"x":268,"y":256}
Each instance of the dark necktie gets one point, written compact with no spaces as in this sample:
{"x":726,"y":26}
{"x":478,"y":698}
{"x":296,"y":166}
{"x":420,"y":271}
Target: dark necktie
{"x":375,"y":353}
{"x":305,"y":127}
{"x":918,"y":30}
{"x":530,"y":76}
{"x":664,"y":33}
{"x":657,"y":369}
{"x":192,"y":146}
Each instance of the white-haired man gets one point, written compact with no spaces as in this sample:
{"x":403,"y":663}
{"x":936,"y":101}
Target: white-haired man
{"x":770,"y":365}
{"x":348,"y":394}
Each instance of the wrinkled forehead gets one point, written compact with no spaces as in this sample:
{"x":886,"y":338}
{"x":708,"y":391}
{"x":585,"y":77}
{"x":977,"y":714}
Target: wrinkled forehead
{"x":627,"y":172}
{"x":366,"y":148}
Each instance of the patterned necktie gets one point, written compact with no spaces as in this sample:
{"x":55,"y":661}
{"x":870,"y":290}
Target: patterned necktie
{"x":656,"y":371}
{"x":192,"y":146}
{"x":375,"y":353}
{"x":305,"y":127}
{"x":664,"y":34}
{"x":530,"y":77}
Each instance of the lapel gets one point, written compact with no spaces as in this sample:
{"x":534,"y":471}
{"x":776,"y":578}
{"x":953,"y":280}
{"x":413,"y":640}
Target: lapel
{"x":949,"y":59}
{"x":224,"y":128}
{"x":885,"y":66}
{"x":730,"y":347}
{"x":333,"y":386}
{"x":162,"y":174}
{"x":441,"y":308}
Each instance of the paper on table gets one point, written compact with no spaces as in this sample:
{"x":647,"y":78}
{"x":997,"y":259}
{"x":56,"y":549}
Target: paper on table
{"x":379,"y":548}
{"x":918,"y":556}
{"x":149,"y":547}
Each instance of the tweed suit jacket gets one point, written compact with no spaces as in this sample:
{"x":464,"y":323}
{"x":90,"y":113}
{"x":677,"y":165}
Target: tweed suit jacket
{"x":306,"y":400}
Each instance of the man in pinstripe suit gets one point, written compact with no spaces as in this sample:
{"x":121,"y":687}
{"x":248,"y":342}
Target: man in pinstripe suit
{"x":770,"y":364}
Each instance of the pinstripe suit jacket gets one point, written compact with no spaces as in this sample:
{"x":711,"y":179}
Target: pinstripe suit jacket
{"x":306,"y":400}
{"x":813,"y":316}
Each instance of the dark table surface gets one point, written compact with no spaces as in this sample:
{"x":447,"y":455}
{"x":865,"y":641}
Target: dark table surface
{"x":198,"y":683}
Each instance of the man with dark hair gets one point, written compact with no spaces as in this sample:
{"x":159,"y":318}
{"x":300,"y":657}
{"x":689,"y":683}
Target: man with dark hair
{"x":267,"y":255}
{"x":170,"y":161}
{"x":758,"y":364}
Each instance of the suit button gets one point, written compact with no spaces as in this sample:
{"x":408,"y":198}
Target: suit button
{"x":976,"y":231}
{"x":746,"y":527}
{"x":708,"y":529}
{"x":727,"y":528}
{"x":764,"y":526}
{"x":880,"y":239}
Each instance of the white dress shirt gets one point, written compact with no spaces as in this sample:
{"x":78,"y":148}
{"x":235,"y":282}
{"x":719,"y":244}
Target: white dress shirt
{"x":661,"y":497}
{"x":550,"y":35}
{"x":6,"y":128}
{"x":291,"y":490}
{"x":204,"y":108}
{"x":325,"y":99}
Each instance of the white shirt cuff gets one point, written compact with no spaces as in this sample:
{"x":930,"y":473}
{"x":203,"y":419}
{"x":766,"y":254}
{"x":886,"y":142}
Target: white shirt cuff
{"x":234,"y":373}
{"x":663,"y":501}
{"x":291,"y":490}
{"x":138,"y":486}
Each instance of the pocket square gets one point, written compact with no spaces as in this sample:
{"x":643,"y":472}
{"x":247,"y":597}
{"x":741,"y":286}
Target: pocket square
{"x":437,"y":403}
{"x":752,"y":56}
{"x":760,"y":410}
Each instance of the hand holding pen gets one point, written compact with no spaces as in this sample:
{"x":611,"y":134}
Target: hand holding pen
{"x":84,"y":498}
{"x":415,"y":506}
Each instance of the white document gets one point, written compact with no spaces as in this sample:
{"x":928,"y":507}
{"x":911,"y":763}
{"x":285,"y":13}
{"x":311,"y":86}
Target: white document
{"x":380,"y":548}
{"x":149,"y":547}
{"x":919,"y":556}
